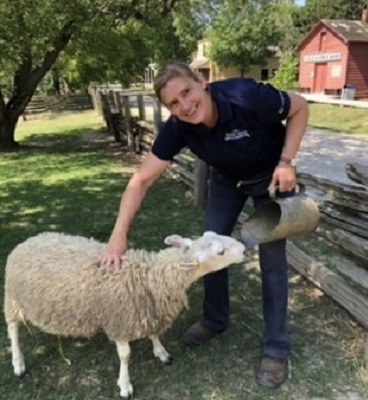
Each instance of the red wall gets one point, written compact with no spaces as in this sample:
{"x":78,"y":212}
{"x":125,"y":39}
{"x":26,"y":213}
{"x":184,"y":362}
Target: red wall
{"x":357,"y":71}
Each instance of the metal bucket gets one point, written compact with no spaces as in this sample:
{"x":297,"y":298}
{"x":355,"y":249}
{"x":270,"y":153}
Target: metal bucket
{"x":281,"y":218}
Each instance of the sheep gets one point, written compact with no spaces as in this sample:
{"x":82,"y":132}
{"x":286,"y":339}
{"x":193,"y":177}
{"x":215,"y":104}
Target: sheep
{"x":53,"y":281}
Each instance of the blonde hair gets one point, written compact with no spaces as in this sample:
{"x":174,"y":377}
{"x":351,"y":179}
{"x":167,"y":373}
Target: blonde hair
{"x":172,"y":69}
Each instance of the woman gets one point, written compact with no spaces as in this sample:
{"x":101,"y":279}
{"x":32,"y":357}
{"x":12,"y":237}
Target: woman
{"x":234,"y":125}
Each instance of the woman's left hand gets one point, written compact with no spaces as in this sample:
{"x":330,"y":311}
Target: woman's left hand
{"x":284,"y":177}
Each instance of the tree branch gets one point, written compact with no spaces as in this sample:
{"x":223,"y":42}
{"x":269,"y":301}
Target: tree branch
{"x":23,"y":92}
{"x":25,"y":64}
{"x":50,"y":57}
{"x":167,"y":6}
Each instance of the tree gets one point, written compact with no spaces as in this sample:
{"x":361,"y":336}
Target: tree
{"x":34,"y":33}
{"x":167,"y":43}
{"x":116,"y":54}
{"x":179,"y":33}
{"x":283,"y":13}
{"x":242,"y":34}
{"x":285,"y":76}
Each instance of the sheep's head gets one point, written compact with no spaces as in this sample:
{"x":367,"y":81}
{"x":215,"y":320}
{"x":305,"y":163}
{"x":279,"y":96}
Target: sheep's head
{"x":210,"y":252}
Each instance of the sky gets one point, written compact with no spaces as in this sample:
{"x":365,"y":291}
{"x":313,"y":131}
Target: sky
{"x":300,"y":2}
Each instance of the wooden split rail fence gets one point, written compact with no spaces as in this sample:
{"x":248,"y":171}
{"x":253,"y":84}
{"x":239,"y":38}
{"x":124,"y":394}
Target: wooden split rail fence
{"x":342,"y":274}
{"x":71,"y":102}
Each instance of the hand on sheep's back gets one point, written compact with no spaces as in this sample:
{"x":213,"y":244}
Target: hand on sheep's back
{"x":110,"y":258}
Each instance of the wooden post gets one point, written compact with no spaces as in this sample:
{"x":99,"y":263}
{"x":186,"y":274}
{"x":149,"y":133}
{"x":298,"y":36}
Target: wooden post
{"x":106,"y":112}
{"x":99,"y":102}
{"x":128,"y":123}
{"x":118,"y":102}
{"x":141,"y":107}
{"x":112,"y":100}
{"x":92,"y":92}
{"x":157,"y":116}
{"x":200,"y":183}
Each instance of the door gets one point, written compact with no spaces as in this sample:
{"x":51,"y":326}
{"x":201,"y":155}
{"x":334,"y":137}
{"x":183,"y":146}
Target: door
{"x":320,"y":73}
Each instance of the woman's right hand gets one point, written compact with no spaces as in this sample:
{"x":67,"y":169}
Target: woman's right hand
{"x":111,"y":255}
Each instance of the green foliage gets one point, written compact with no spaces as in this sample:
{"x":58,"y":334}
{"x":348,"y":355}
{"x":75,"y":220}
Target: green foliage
{"x":107,"y":54}
{"x":242,"y":34}
{"x":108,"y":39}
{"x":283,"y":14}
{"x":178,"y":34}
{"x":101,"y":40}
{"x":171,"y":42}
{"x":285,"y":76}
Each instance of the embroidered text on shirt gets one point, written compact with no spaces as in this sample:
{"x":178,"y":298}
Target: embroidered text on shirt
{"x":236,"y":134}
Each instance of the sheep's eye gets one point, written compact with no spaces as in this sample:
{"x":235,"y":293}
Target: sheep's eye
{"x":221,"y":253}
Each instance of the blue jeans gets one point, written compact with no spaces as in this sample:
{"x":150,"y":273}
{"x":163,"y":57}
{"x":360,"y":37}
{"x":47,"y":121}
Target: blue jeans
{"x":225,"y":202}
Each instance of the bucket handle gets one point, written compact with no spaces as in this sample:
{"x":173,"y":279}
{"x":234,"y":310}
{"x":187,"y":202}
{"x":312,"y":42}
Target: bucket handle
{"x":274,"y":190}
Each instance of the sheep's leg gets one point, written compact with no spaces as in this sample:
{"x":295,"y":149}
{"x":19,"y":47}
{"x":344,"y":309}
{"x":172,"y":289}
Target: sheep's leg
{"x":17,"y":355}
{"x":126,"y":388}
{"x":159,"y":350}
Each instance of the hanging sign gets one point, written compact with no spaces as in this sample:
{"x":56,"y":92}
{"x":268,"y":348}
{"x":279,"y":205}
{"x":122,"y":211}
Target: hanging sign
{"x":322,"y":57}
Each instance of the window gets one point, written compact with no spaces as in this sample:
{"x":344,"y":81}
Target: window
{"x":322,"y":41}
{"x":264,"y":74}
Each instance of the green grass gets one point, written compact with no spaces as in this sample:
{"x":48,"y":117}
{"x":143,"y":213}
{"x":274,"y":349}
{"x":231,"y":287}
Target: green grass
{"x":60,"y":181}
{"x":339,"y":119}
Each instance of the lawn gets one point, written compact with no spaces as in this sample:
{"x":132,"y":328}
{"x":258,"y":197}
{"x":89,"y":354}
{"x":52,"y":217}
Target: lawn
{"x":335,"y":118}
{"x":68,"y":177}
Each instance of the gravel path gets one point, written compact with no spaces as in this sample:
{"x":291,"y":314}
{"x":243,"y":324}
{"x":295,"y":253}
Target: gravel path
{"x":325,"y":154}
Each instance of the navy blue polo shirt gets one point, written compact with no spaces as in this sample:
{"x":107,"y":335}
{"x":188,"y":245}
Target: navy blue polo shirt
{"x":246,"y":141}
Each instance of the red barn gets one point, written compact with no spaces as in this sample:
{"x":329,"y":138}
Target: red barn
{"x":334,"y":55}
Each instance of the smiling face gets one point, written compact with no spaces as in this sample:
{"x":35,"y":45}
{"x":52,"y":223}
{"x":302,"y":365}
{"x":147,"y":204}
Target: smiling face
{"x":188,"y":100}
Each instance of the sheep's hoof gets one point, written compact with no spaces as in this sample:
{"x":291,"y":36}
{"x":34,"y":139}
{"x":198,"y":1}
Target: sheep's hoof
{"x":22,"y":375}
{"x":127,"y":393}
{"x":127,"y":397}
{"x":169,"y":361}
{"x":19,"y":371}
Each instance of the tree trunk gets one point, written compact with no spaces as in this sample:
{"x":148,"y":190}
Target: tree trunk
{"x":25,"y":83}
{"x":8,"y":122}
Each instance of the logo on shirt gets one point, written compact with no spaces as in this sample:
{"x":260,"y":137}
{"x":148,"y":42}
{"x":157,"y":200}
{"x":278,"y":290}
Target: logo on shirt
{"x":236,"y":134}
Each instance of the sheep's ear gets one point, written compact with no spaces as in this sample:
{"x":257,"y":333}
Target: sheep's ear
{"x":178,"y":241}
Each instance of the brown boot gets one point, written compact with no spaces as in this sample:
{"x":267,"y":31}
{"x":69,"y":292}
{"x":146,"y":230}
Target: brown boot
{"x":272,"y":372}
{"x":197,"y":334}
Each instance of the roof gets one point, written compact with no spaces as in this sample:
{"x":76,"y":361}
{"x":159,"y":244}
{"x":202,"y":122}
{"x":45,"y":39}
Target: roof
{"x":347,"y":30}
{"x":350,"y":31}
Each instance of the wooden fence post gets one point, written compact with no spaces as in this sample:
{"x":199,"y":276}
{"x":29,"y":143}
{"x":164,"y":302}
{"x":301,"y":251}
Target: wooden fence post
{"x":128,"y":123}
{"x":141,"y":108}
{"x":200,"y":183}
{"x":106,"y":112}
{"x":92,"y":92}
{"x":157,"y":116}
{"x":111,"y":94}
{"x":98,"y":98}
{"x":118,"y":102}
